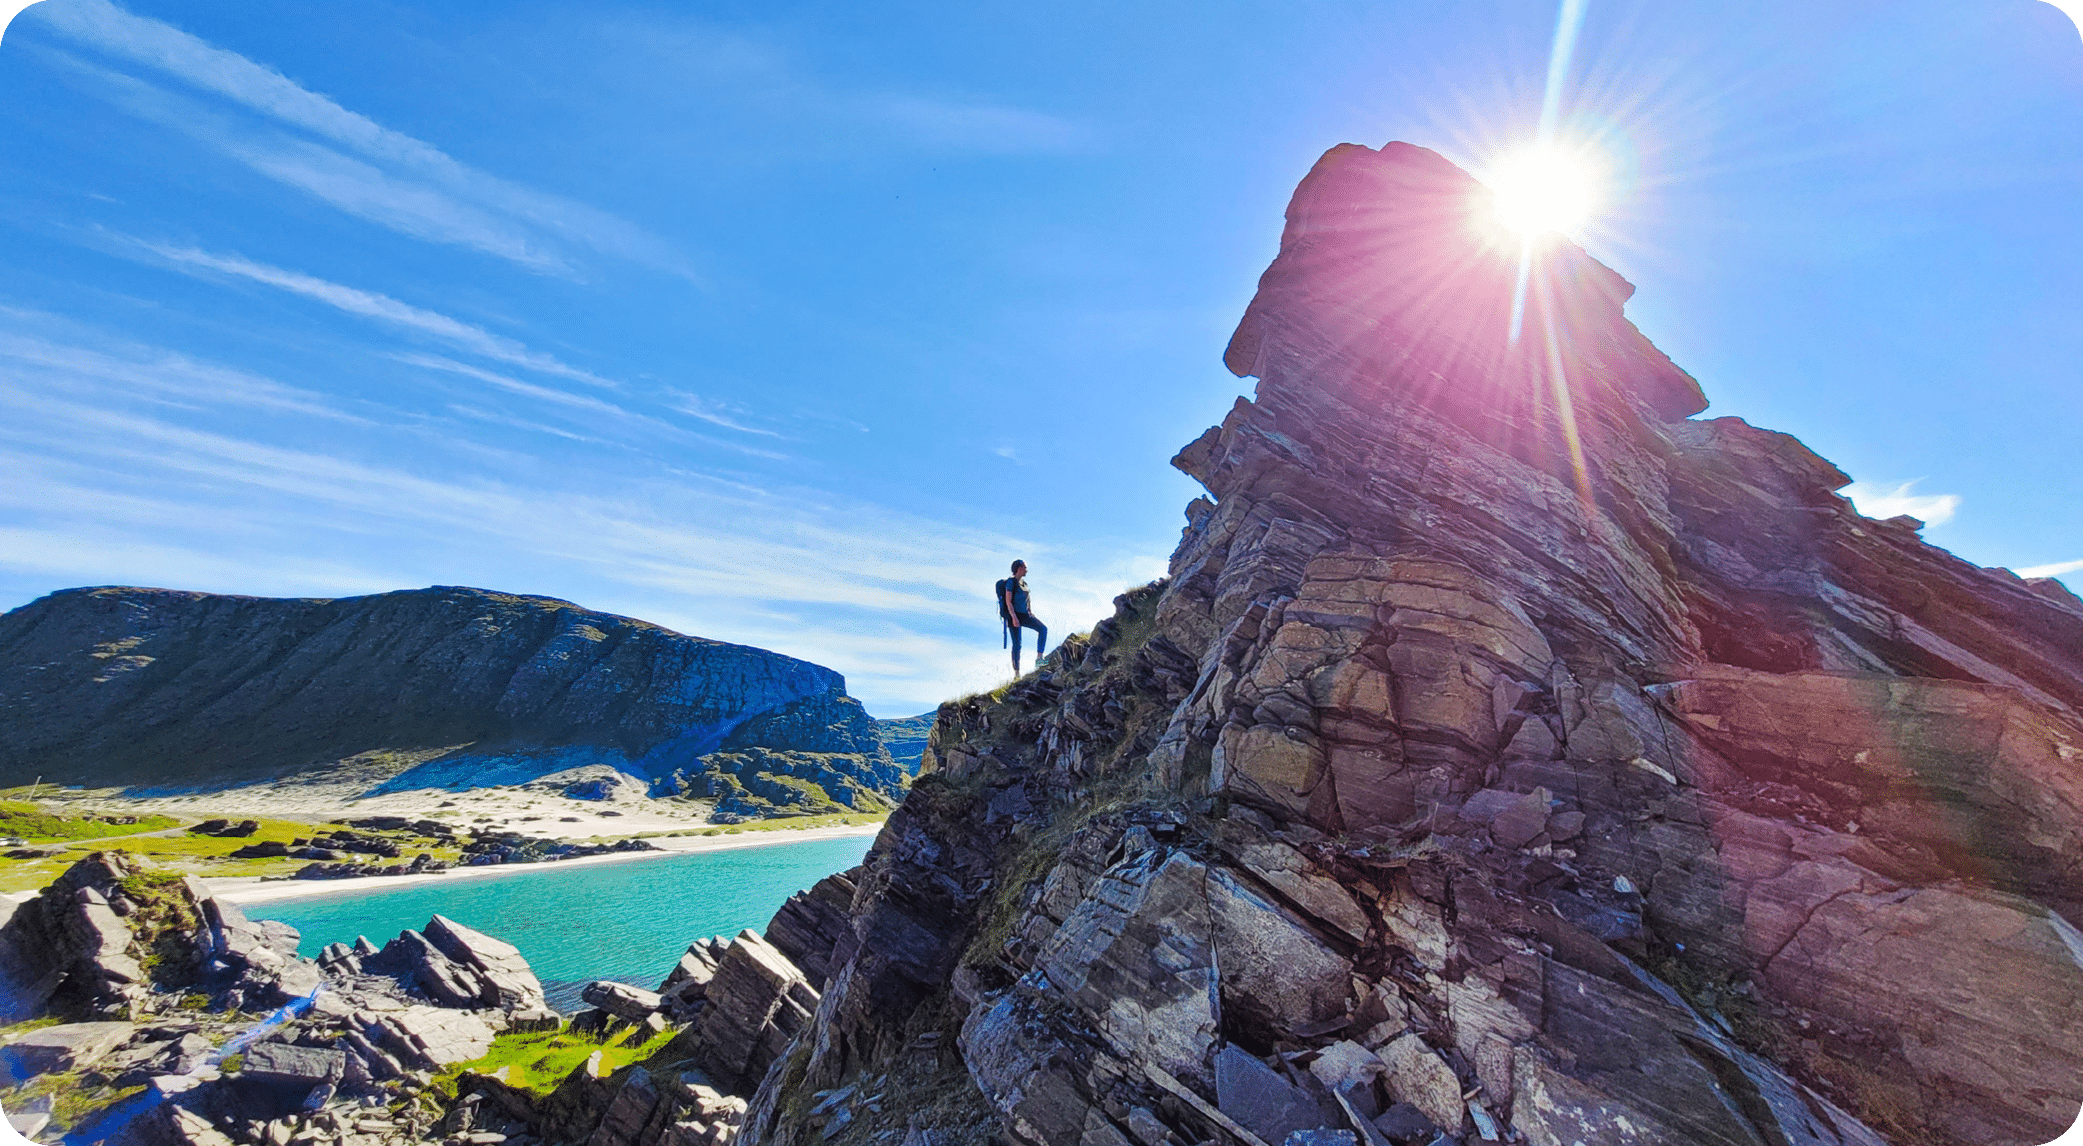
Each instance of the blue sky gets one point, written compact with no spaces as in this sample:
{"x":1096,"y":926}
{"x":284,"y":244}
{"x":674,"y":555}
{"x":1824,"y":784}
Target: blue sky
{"x":792,"y":323}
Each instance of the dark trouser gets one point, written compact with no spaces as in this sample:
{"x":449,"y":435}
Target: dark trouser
{"x":1041,"y":638}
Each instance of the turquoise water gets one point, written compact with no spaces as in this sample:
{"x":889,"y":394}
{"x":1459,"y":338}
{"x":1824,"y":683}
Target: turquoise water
{"x":627,"y":921}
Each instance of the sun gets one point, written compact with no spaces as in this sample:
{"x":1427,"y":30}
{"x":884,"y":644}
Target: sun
{"x":1544,"y":190}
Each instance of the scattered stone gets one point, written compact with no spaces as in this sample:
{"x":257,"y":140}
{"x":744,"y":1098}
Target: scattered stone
{"x":69,"y":1046}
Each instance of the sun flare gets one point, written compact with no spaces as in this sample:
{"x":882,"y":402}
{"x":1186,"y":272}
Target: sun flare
{"x":1544,"y":190}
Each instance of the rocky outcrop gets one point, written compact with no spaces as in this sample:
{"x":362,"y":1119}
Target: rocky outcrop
{"x":456,"y":687}
{"x":90,"y":945}
{"x":1505,"y":757}
{"x":170,"y":984}
{"x":814,"y":923}
{"x":753,"y":783}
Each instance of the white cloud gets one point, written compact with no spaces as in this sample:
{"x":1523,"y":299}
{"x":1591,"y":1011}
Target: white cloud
{"x":155,"y":375}
{"x":2057,"y":569}
{"x":516,"y":386}
{"x":382,"y":308}
{"x":398,"y":181}
{"x":695,"y":406}
{"x":1881,"y":501}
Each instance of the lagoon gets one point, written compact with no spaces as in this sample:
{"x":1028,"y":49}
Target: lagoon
{"x":625,"y":921}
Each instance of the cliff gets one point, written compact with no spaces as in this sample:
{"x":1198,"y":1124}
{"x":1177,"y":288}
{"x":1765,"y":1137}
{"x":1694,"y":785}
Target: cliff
{"x":1507,"y":756}
{"x":439,"y":687}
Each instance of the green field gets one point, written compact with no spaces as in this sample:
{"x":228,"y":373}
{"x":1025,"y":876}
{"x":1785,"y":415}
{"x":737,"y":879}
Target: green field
{"x":201,"y":855}
{"x":31,"y":822}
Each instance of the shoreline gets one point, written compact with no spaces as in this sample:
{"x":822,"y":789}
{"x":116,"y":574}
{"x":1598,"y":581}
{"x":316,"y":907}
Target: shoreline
{"x":243,"y":890}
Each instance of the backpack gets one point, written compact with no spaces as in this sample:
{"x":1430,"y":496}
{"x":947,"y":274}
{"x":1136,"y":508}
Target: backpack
{"x":1004,"y":586}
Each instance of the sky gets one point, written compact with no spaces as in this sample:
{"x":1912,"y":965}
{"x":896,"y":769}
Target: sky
{"x":791,"y":324}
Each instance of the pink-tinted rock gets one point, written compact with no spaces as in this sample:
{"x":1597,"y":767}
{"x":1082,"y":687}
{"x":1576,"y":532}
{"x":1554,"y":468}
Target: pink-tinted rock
{"x":1602,"y":772}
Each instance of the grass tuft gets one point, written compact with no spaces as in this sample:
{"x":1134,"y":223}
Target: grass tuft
{"x":537,"y":1061}
{"x":31,"y":822}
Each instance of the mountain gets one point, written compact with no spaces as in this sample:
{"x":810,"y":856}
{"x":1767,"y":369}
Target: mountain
{"x":1507,"y":755}
{"x":438,"y":687}
{"x":906,"y":738}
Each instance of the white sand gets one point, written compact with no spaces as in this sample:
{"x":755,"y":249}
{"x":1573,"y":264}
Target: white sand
{"x":246,"y":889}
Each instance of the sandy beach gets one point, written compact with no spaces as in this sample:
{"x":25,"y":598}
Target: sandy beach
{"x":244,"y":890}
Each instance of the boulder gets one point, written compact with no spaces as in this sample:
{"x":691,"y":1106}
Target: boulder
{"x":291,"y":1065}
{"x":1415,"y":1074}
{"x":1277,"y":974}
{"x":688,"y":982}
{"x":1136,"y":951}
{"x":1257,"y":1097}
{"x":68,"y":1046}
{"x":508,"y":982}
{"x":620,"y":999}
{"x":428,"y":1038}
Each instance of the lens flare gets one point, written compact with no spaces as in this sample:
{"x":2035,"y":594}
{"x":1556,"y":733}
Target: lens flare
{"x":1544,"y":191}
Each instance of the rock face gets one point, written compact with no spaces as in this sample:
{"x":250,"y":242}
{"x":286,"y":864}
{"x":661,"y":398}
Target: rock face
{"x":1506,"y":756}
{"x":814,"y":923}
{"x":155,"y":687}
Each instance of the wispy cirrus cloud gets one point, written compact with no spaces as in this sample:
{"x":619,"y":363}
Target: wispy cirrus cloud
{"x":1880,"y":501}
{"x":714,"y":413}
{"x":149,"y":373}
{"x":2057,"y":569}
{"x":382,"y":308}
{"x":584,"y":403}
{"x":346,"y":159}
{"x":470,"y":339}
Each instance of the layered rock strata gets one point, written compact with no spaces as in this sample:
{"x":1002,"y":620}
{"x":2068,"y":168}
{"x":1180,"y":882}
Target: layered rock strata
{"x":1507,"y":756}
{"x":453,"y":686}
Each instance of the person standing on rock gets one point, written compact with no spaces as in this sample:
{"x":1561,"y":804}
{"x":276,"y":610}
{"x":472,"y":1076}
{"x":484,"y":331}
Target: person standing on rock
{"x":1015,"y":610}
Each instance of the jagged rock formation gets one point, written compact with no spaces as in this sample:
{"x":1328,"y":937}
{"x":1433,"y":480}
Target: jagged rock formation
{"x":1506,"y":757}
{"x":466,"y":687}
{"x":165,"y":983}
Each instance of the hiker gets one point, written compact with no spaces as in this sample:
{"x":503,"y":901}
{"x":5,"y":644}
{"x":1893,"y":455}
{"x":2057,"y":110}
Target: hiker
{"x":1015,"y":610}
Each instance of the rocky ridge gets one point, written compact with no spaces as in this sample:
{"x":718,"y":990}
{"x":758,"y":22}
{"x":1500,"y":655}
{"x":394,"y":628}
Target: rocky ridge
{"x":1507,"y":757}
{"x":433,"y":688}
